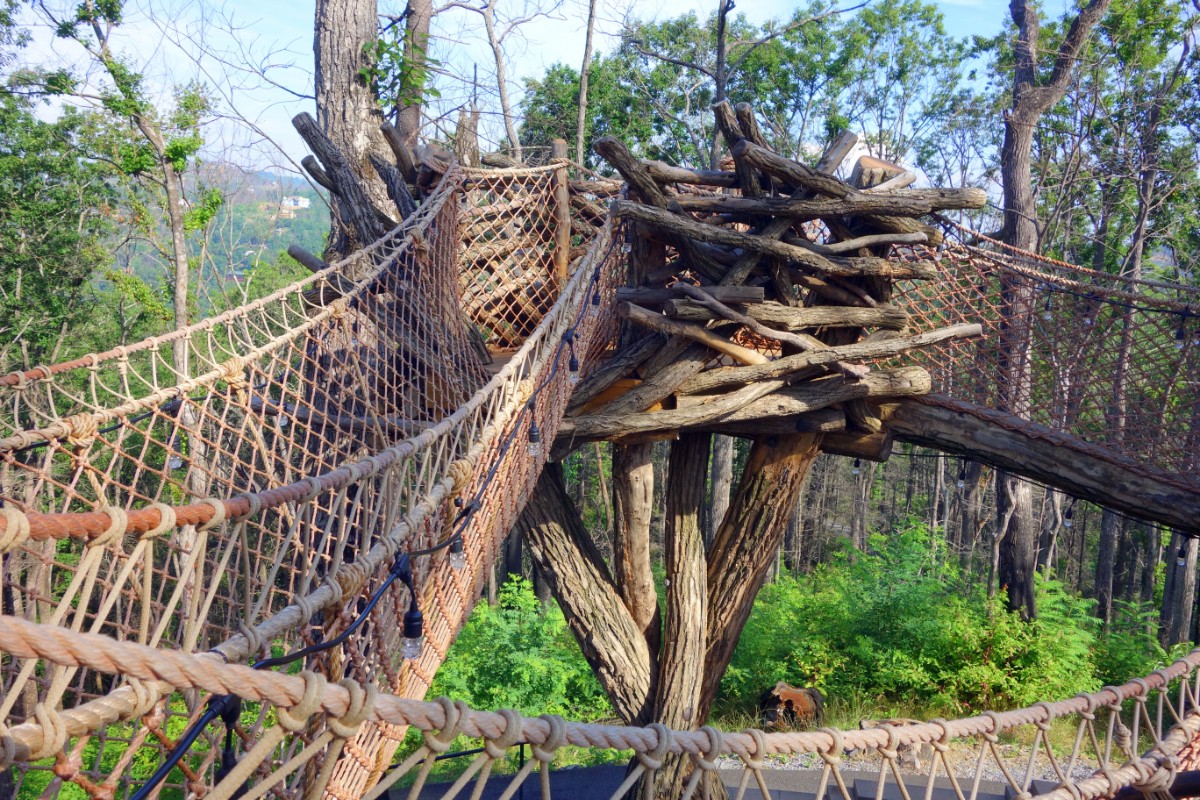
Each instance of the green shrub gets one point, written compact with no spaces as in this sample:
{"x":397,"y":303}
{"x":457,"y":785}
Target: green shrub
{"x":521,"y":656}
{"x":897,"y":623}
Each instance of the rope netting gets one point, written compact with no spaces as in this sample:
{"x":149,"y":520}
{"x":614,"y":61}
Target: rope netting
{"x":1111,"y":727}
{"x":241,"y":486}
{"x":1113,"y":360}
{"x":249,"y":501}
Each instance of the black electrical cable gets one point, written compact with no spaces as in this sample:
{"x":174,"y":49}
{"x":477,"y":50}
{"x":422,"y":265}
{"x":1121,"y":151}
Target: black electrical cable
{"x":228,"y":707}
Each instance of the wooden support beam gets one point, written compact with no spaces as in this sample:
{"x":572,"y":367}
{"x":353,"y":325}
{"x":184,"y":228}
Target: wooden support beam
{"x":768,"y":399}
{"x":737,"y":295}
{"x":1048,"y":456}
{"x":854,"y":444}
{"x":404,"y":156}
{"x":665,"y":173}
{"x":788,"y":318}
{"x":562,"y":214}
{"x":905,"y":202}
{"x":697,"y":333}
{"x":732,"y":376}
{"x":868,"y":266}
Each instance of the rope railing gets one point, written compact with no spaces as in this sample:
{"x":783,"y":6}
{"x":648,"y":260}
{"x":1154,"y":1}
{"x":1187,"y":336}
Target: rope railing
{"x":344,"y":706}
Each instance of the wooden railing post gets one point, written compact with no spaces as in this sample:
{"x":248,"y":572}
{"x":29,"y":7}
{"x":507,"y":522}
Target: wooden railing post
{"x":562,"y":215}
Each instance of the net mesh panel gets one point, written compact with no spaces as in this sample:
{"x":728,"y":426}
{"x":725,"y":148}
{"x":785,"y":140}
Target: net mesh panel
{"x":349,"y":409}
{"x":1113,"y":361}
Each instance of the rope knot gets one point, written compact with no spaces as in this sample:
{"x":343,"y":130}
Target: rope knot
{"x":455,"y":712}
{"x":54,"y":732}
{"x":362,"y":701}
{"x":545,"y":751}
{"x":145,"y":697}
{"x":16,"y":528}
{"x":460,"y":472}
{"x":255,"y":643}
{"x":1151,"y":780}
{"x":8,"y":747}
{"x":653,"y":760}
{"x":232,"y":372}
{"x":295,"y":719}
{"x":832,"y":755}
{"x":118,"y":523}
{"x":498,"y":748}
{"x":218,"y":507}
{"x":753,"y":759}
{"x":67,"y":766}
{"x":941,"y":744}
{"x":166,"y":520}
{"x":707,"y":758}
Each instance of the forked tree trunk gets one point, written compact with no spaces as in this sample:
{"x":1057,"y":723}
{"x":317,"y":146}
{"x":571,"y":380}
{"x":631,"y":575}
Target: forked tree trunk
{"x":633,"y":497}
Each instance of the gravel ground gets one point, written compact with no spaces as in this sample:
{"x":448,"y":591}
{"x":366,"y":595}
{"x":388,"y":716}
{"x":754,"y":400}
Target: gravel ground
{"x":963,"y":758}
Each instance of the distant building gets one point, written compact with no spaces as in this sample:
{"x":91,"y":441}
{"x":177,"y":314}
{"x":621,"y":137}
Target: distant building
{"x":292,"y":203}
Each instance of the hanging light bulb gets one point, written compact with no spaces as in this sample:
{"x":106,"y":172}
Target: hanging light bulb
{"x":175,"y":459}
{"x":414,"y":631}
{"x":281,"y":421}
{"x":1069,"y":517}
{"x":627,"y":244}
{"x":1181,"y":557}
{"x":458,"y":559}
{"x":1180,"y":335}
{"x":962,"y":477}
{"x":856,"y":468}
{"x":573,"y":370}
{"x":1046,"y":314}
{"x":535,"y":441}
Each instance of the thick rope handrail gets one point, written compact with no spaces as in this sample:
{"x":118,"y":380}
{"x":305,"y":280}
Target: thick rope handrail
{"x":184,"y":671}
{"x":1064,"y":265}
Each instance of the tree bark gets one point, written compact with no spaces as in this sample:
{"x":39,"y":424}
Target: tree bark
{"x":721,"y":480}
{"x":610,"y":640}
{"x":416,"y":47}
{"x":1032,"y":97}
{"x":1179,"y":593}
{"x":746,"y":544}
{"x":633,"y":498}
{"x":680,"y":671}
{"x":585,"y":70}
{"x":346,"y":110}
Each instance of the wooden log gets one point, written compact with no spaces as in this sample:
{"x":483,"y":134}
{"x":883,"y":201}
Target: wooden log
{"x":901,"y":181}
{"x":837,"y":151}
{"x":833,"y":292}
{"x":404,"y":157}
{"x":730,"y":376}
{"x":657,"y":297}
{"x":613,"y":369}
{"x":854,"y":444}
{"x":665,"y":173}
{"x":799,"y":256}
{"x":906,"y":202}
{"x":396,"y":188}
{"x":753,"y":403}
{"x":602,"y":187}
{"x":1055,"y":458}
{"x":697,"y":333}
{"x":858,"y":242}
{"x":825,"y":420}
{"x":638,"y":177}
{"x":307,"y":259}
{"x":313,"y":168}
{"x":800,"y":341}
{"x":789,"y":318}
{"x":791,"y":172}
{"x":727,"y":123}
{"x":677,"y":360}
{"x":562,"y":214}
{"x":361,"y":212}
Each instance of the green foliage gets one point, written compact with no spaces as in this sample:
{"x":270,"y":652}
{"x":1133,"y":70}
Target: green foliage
{"x":519,"y":655}
{"x":398,"y":69}
{"x":897,"y":623}
{"x":204,"y":209}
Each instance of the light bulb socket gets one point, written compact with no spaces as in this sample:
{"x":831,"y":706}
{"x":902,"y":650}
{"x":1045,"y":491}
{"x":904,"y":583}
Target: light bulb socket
{"x":414,"y":622}
{"x":535,"y":440}
{"x":458,"y":559}
{"x":857,"y":468}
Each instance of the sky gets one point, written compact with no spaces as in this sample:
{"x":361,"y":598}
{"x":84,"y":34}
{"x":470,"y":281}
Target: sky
{"x":174,"y":41}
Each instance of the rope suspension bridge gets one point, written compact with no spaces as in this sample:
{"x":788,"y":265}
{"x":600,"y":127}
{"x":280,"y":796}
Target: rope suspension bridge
{"x":237,"y":489}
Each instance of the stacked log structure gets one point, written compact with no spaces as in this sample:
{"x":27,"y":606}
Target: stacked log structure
{"x":760,"y":295}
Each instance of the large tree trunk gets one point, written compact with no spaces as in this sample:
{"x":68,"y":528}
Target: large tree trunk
{"x":614,"y":646}
{"x":633,"y":500}
{"x":680,"y":671}
{"x":721,"y":480}
{"x":1032,"y":97}
{"x":416,"y":51}
{"x":346,"y":109}
{"x":1179,"y":593}
{"x":746,"y":544}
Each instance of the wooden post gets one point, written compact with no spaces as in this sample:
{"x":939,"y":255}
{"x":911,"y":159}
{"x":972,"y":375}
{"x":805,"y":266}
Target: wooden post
{"x":562,"y":214}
